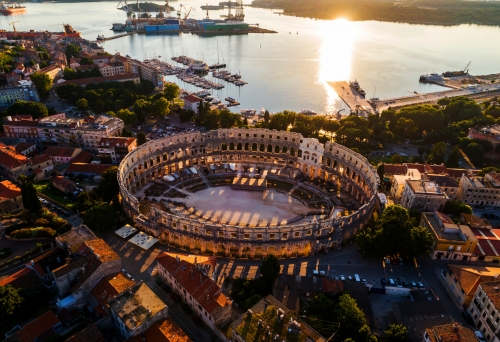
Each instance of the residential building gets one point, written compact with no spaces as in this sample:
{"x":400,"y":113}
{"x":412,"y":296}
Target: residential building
{"x":447,"y":184}
{"x":192,"y":282}
{"x":12,"y":164}
{"x":488,"y":133}
{"x":56,"y":130}
{"x":274,"y":317}
{"x":89,"y":334}
{"x":26,"y":129}
{"x":74,"y":239}
{"x":463,"y":280}
{"x":93,"y":130}
{"x":402,"y":169}
{"x":77,"y":169}
{"x":146,"y":71}
{"x":64,"y":184}
{"x":135,"y":310}
{"x":106,"y":289}
{"x":112,"y":150}
{"x":423,"y":195}
{"x":62,"y":155}
{"x":191,"y":102}
{"x":453,"y":332}
{"x":53,"y":70}
{"x":44,"y":264}
{"x":25,"y":279}
{"x":485,"y":309}
{"x":83,"y":270}
{"x":113,"y":67}
{"x":26,"y":148}
{"x":475,"y":190}
{"x":25,"y":90}
{"x":451,"y":241}
{"x":42,"y":163}
{"x":162,"y":331}
{"x":11,"y":200}
{"x":42,"y":328}
{"x":398,"y":183}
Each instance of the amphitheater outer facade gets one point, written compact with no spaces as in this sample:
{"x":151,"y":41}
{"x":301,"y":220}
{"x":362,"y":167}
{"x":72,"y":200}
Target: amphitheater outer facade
{"x":350,"y":170}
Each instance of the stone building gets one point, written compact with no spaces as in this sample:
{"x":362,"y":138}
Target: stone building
{"x":485,"y":309}
{"x":289,"y":152}
{"x":423,"y":195}
{"x":112,"y":150}
{"x":475,"y":190}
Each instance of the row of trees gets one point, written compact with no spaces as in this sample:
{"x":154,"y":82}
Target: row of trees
{"x":72,"y":74}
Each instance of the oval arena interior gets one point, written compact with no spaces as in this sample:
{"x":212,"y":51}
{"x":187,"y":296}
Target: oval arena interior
{"x":248,"y":192}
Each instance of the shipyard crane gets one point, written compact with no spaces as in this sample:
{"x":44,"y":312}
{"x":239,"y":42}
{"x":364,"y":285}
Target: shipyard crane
{"x":466,"y":69}
{"x":167,"y":8}
{"x":207,"y":12}
{"x":189,"y":12}
{"x":179,"y":11}
{"x":64,"y":27}
{"x":14,"y":26}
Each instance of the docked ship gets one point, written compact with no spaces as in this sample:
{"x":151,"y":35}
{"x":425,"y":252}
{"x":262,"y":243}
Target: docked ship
{"x":32,"y":34}
{"x":211,"y":7}
{"x":8,"y":8}
{"x":356,"y":86}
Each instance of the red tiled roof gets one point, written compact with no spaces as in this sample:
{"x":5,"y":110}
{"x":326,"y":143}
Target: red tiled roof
{"x":443,"y":180}
{"x":21,"y":123}
{"x":89,"y":334}
{"x":203,"y":289}
{"x":21,"y":147}
{"x":116,"y":77}
{"x":457,"y":173}
{"x":391,"y":169}
{"x":116,"y":141}
{"x":111,"y":286}
{"x":39,"y":326}
{"x":192,"y":99}
{"x":420,"y":167}
{"x":40,"y":159}
{"x":438,"y":169}
{"x":62,"y":181}
{"x":9,"y":190}
{"x":443,"y":217}
{"x":82,"y":157}
{"x":88,"y":168}
{"x":56,"y":151}
{"x":25,"y":278}
{"x":10,"y":159}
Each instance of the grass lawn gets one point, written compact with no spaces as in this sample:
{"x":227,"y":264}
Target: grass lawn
{"x":43,"y":187}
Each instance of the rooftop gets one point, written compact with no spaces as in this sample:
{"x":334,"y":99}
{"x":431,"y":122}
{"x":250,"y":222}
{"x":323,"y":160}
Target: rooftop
{"x":8,"y":190}
{"x":57,"y":151}
{"x":116,"y":142}
{"x":25,"y":278}
{"x":137,"y":305}
{"x":76,"y":237}
{"x":10,"y":159}
{"x":491,"y":288}
{"x":162,"y":331}
{"x":89,"y":334}
{"x":40,"y":159}
{"x":62,"y":181}
{"x":443,"y":180}
{"x":88,"y":168}
{"x":37,"y":327}
{"x":192,"y":99}
{"x":424,"y":187}
{"x":453,"y":332}
{"x":448,"y":230}
{"x":111,"y":286}
{"x":102,"y":250}
{"x":266,"y":316}
{"x":470,"y":277}
{"x":488,"y":241}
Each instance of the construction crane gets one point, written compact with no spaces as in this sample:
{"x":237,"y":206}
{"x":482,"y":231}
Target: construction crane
{"x":189,"y":12}
{"x":179,"y":11}
{"x":238,"y":15}
{"x":207,"y":12}
{"x":14,"y":26}
{"x":466,"y":69}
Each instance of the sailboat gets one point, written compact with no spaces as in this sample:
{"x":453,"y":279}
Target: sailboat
{"x":374,"y":99}
{"x":218,"y":65}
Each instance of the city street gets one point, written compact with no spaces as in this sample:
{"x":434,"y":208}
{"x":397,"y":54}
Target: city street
{"x":346,"y":261}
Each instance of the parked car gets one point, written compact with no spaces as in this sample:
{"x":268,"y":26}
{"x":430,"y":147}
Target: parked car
{"x":363,"y":280}
{"x":398,"y":283}
{"x":420,"y":285}
{"x":383,"y":282}
{"x":479,"y":336}
{"x":406,"y":284}
{"x":349,"y":278}
{"x":342,"y":277}
{"x":413,"y":284}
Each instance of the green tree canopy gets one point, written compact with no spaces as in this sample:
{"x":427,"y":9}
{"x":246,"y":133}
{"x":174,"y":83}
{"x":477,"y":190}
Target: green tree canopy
{"x":108,"y":187}
{"x":270,"y":268}
{"x":72,"y":51}
{"x":161,"y":107}
{"x":141,"y":138}
{"x":457,"y":208}
{"x":396,"y":333}
{"x":43,"y":84}
{"x":350,"y":317}
{"x":453,"y":157}
{"x":86,"y":61}
{"x":36,"y":109}
{"x":438,"y":153}
{"x":396,"y":159}
{"x":101,"y":217}
{"x":82,"y":104}
{"x":29,"y":195}
{"x":10,"y":300}
{"x":129,"y":118}
{"x":171,"y":91}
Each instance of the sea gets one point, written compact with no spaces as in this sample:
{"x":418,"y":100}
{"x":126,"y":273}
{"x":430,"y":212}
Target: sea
{"x":289,"y":70}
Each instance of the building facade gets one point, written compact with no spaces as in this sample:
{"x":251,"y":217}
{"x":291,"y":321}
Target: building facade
{"x":423,"y":195}
{"x":475,"y":190}
{"x":113,"y":150}
{"x":146,"y":71}
{"x":485,"y":309}
{"x":25,"y":90}
{"x":11,"y":200}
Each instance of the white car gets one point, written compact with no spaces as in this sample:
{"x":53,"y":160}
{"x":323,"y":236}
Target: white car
{"x":342,"y":277}
{"x":479,"y":336}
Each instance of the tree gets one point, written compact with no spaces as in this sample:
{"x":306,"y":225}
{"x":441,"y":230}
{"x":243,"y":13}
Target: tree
{"x":453,"y":157}
{"x":108,"y":187}
{"x":72,"y":51}
{"x":171,"y":91}
{"x":421,"y":242}
{"x":84,"y":201}
{"x":396,"y":159}
{"x":82,"y":104}
{"x":396,"y":333}
{"x":86,"y":61}
{"x":475,"y":152}
{"x":142,"y":109}
{"x":10,"y":300}
{"x":161,"y":107}
{"x":141,"y":138}
{"x":29,"y":195}
{"x":101,"y":217}
{"x":457,"y":208}
{"x":270,"y":268}
{"x":43,"y":84}
{"x":127,"y":133}
{"x":36,"y":109}
{"x":129,"y":118}
{"x":438,"y":153}
{"x":266,"y":116}
{"x":380,"y":171}
{"x":350,"y":317}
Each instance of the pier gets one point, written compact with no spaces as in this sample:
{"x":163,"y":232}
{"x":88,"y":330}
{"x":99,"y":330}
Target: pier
{"x":351,"y":97}
{"x":115,"y":37}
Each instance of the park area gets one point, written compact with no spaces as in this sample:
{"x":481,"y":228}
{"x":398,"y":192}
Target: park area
{"x":45,"y":187}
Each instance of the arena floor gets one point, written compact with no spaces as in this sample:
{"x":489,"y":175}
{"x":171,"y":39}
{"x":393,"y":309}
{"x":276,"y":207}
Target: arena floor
{"x":241,"y":207}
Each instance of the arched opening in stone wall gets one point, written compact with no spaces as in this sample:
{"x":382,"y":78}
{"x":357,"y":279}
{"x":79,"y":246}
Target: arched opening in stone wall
{"x":259,"y":252}
{"x":271,"y":251}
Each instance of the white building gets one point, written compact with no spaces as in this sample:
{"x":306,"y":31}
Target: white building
{"x":485,"y":310}
{"x":423,"y":195}
{"x":191,"y":102}
{"x":476,"y":190}
{"x":398,"y":183}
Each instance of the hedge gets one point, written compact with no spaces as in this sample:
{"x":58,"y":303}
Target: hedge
{"x":29,"y":233}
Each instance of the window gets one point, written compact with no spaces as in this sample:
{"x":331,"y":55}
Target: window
{"x":297,"y":234}
{"x":221,"y":234}
{"x":285,"y":235}
{"x":272,"y":236}
{"x":247,"y":236}
{"x":259,"y":236}
{"x":184,"y":226}
{"x":208,"y":232}
{"x":233,"y":235}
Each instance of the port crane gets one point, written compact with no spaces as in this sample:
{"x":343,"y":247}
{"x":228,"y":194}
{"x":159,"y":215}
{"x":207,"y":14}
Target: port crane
{"x":189,"y":12}
{"x":238,"y":15}
{"x":179,"y":11}
{"x":14,"y":26}
{"x":466,"y":69}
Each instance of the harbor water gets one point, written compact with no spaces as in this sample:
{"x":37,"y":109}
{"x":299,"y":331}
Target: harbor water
{"x":290,"y":69}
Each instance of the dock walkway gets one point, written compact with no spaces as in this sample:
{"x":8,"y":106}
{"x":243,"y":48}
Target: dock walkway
{"x":115,"y":37}
{"x":351,"y":97}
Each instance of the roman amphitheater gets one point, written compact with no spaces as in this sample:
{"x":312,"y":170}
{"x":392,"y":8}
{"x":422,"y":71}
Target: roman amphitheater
{"x":248,"y":192}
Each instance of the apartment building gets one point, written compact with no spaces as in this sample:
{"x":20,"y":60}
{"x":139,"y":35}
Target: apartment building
{"x":62,"y":155}
{"x":11,"y":200}
{"x":423,"y":195}
{"x":24,"y":129}
{"x":25,"y":90}
{"x":113,"y":150}
{"x":52,"y":70}
{"x":398,"y":183}
{"x":447,"y":184}
{"x":485,"y":309}
{"x":451,"y":241}
{"x":453,"y":332}
{"x":146,"y":71}
{"x":192,"y":282}
{"x":114,"y":66}
{"x":93,"y":130}
{"x":475,"y":190}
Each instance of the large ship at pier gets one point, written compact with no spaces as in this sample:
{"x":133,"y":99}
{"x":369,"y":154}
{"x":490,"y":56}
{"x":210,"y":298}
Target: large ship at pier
{"x":68,"y":32}
{"x":8,"y":8}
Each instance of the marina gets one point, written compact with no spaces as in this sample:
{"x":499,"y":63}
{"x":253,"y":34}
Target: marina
{"x":352,"y":98}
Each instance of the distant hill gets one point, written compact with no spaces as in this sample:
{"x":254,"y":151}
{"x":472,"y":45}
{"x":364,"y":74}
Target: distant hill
{"x":430,"y":12}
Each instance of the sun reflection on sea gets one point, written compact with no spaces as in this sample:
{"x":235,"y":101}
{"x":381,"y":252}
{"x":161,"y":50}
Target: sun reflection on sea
{"x":336,"y":55}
